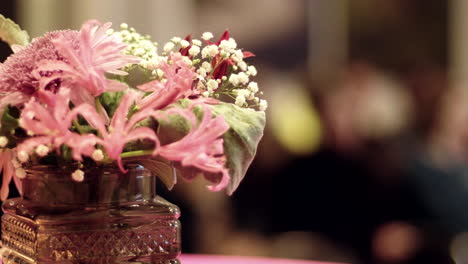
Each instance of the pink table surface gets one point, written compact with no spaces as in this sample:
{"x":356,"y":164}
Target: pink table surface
{"x":214,"y":259}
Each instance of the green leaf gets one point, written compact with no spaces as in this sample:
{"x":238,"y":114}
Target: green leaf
{"x":172,"y":128}
{"x":162,"y":168}
{"x":11,"y":33}
{"x":110,"y":101}
{"x":241,"y":140}
{"x":9,"y":123}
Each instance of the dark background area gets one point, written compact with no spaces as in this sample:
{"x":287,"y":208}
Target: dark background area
{"x":359,"y":196}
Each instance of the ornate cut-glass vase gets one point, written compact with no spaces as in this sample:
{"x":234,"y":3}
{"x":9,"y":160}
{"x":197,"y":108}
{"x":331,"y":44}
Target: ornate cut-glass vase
{"x":109,"y":217}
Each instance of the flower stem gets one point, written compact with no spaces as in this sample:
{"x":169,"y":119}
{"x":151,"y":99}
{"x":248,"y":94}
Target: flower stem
{"x":136,"y":153}
{"x":78,"y":127}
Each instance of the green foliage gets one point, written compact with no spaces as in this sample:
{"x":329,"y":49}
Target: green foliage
{"x":10,"y":124}
{"x":11,"y":33}
{"x":241,"y":140}
{"x":110,"y":101}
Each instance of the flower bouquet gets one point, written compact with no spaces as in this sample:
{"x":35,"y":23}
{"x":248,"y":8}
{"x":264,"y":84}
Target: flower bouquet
{"x":87,"y":101}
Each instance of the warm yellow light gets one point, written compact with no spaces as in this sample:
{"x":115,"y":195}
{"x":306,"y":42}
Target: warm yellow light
{"x":294,"y":119}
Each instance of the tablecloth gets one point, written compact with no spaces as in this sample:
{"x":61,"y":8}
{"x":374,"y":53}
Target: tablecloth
{"x":214,"y":259}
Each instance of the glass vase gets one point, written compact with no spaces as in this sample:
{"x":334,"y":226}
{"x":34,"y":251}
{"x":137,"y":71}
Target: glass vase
{"x":109,"y":217}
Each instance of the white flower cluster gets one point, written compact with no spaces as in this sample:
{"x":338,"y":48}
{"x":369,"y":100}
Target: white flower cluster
{"x":233,"y":80}
{"x":140,"y":46}
{"x":220,"y":68}
{"x":3,"y":141}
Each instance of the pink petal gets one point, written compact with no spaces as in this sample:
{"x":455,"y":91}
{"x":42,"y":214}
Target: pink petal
{"x":223,"y":183}
{"x":14,"y":99}
{"x":202,"y":148}
{"x":82,"y":145}
{"x":89,"y":113}
{"x":30,"y":144}
{"x":115,"y":86}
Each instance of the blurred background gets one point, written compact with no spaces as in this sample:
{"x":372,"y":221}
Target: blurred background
{"x":365,"y":153}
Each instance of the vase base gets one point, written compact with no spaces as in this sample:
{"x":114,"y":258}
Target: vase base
{"x":146,"y":232}
{"x":10,"y":256}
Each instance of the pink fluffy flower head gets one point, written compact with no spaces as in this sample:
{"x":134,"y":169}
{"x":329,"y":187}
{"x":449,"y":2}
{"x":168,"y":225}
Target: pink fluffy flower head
{"x":16,"y":73}
{"x":97,"y":54}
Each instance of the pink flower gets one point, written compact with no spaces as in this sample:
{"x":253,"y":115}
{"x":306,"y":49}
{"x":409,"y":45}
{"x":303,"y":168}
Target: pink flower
{"x":16,"y":72}
{"x":178,"y":84}
{"x":97,"y":54}
{"x":13,"y":99}
{"x":202,"y":148}
{"x":121,"y":131}
{"x":50,"y":125}
{"x":6,"y":165}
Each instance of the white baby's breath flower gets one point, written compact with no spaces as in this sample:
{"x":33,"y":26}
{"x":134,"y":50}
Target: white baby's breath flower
{"x":207,"y":66}
{"x":187,"y":60}
{"x":225,"y":45}
{"x":194,"y":50}
{"x":237,"y":55}
{"x":210,"y":51}
{"x":139,"y":51}
{"x":242,"y":65}
{"x":207,"y":35}
{"x":23,"y":156}
{"x":206,"y":94}
{"x":234,"y":79}
{"x":251,"y":70}
{"x":20,"y":173}
{"x":224,"y":54}
{"x":98,"y":155}
{"x":253,"y":87}
{"x":78,"y":175}
{"x":243,"y":92}
{"x":168,"y":47}
{"x":240,"y":100}
{"x":232,"y":43}
{"x":3,"y":142}
{"x":196,"y":42}
{"x":263,"y":105}
{"x":202,"y":72}
{"x":161,"y":59}
{"x":160,"y":73}
{"x":176,"y":39}
{"x":124,"y":26}
{"x":42,"y":150}
{"x":243,"y":78}
{"x":212,"y":85}
{"x":184,"y":43}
